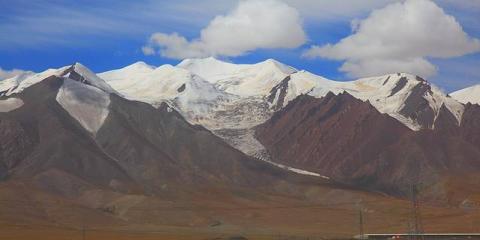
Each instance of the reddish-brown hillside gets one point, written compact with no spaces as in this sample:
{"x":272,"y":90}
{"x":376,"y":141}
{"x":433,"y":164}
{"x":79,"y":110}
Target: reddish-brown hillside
{"x":350,"y":141}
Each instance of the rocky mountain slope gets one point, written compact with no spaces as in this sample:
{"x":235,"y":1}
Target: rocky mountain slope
{"x":348,"y":140}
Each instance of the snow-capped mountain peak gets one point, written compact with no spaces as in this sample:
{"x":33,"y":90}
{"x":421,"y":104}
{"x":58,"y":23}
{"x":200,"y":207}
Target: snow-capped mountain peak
{"x":79,"y":72}
{"x":213,"y":69}
{"x":278,"y":65}
{"x":406,"y":97}
{"x":127,"y":76}
{"x":18,"y":84}
{"x":210,"y":69}
{"x":239,"y":79}
{"x":10,"y":84}
{"x":189,"y":93}
{"x":84,"y":95}
{"x":170,"y":68}
{"x":155,"y":85}
{"x":138,"y":67}
{"x":141,"y":64}
{"x":468,"y":95}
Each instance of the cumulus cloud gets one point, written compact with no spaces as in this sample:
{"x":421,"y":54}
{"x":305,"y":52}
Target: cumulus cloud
{"x":5,"y":74}
{"x":253,"y":24}
{"x":399,"y":38}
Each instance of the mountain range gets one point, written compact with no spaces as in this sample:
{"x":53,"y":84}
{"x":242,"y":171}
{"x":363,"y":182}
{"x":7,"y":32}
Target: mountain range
{"x":261,"y":133}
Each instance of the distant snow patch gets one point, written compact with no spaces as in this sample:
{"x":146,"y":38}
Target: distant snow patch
{"x":10,"y":104}
{"x":291,"y":169}
{"x":87,"y":104}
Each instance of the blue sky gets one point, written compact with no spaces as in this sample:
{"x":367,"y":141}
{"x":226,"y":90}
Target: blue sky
{"x":108,"y":34}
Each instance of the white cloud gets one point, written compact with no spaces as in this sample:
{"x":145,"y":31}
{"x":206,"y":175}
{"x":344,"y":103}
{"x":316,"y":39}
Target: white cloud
{"x":399,"y":38}
{"x":331,"y":10}
{"x":253,"y":24}
{"x":148,"y":50}
{"x":377,"y":66}
{"x":5,"y":74}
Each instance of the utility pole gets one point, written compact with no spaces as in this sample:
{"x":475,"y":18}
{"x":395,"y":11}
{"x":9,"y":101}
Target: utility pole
{"x":361,"y":229}
{"x":360,"y":223}
{"x":417,"y":229}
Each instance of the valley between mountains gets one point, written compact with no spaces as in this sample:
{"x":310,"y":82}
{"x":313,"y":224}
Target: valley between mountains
{"x":209,"y":149}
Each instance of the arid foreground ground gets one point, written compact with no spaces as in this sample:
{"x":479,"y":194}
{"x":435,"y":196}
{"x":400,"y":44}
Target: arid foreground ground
{"x":319,"y":212}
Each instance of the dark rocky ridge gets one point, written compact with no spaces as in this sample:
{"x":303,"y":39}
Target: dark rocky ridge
{"x":281,"y":90}
{"x":417,"y":108}
{"x":400,"y":85}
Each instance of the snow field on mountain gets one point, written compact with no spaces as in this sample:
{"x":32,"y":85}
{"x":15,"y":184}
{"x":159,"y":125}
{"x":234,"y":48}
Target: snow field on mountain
{"x":10,"y":104}
{"x":468,"y":95}
{"x":87,"y":104}
{"x":240,"y":79}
